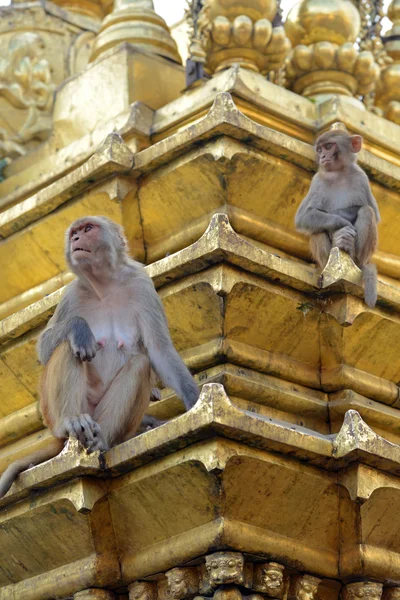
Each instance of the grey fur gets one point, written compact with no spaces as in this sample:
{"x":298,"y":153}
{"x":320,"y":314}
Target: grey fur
{"x":146,"y":307}
{"x":340,"y":209}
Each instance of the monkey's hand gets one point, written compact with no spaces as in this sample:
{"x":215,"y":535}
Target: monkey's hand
{"x":81,"y":339}
{"x":87,"y":431}
{"x":345,"y":239}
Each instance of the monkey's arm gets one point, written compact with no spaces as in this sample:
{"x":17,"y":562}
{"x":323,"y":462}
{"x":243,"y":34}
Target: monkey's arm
{"x":310,"y":217}
{"x":372,"y":203}
{"x":164,"y":358}
{"x":316,"y":220}
{"x":65,"y":325}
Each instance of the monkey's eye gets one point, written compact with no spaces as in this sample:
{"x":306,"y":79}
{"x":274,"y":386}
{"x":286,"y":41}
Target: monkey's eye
{"x":88,"y":228}
{"x":329,"y":146}
{"x":319,"y":149}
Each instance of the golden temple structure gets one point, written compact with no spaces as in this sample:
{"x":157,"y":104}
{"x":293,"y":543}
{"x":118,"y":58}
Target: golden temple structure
{"x":284,"y":480}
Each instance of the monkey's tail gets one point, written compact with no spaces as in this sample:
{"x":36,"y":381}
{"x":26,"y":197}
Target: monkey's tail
{"x":13,"y":470}
{"x":370,"y":284}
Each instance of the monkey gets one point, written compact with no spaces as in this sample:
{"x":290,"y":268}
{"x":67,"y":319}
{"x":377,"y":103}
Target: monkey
{"x":339,"y":209}
{"x":108,"y":334}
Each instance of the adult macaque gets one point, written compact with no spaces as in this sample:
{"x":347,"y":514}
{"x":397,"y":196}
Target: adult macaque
{"x":99,"y":348}
{"x":339,"y":209}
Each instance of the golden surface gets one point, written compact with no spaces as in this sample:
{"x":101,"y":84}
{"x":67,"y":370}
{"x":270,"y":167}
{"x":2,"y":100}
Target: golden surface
{"x":136,"y":22}
{"x":229,"y":32}
{"x":387,"y":97}
{"x":324,"y":60}
{"x":39,"y":48}
{"x":156,"y":523}
{"x":312,"y":21}
{"x":289,"y":462}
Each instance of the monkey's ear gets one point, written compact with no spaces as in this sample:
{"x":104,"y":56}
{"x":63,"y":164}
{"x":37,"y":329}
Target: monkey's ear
{"x":356,"y":143}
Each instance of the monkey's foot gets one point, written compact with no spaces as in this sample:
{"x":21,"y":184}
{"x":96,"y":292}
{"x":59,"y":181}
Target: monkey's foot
{"x":149,"y":422}
{"x":339,"y":266}
{"x":87,"y":431}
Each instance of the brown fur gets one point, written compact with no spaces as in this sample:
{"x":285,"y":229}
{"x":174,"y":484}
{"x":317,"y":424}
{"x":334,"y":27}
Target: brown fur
{"x":100,"y":348}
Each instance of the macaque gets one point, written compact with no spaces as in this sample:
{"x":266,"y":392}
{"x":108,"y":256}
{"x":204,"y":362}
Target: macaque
{"x":107,"y":334}
{"x":339,"y":209}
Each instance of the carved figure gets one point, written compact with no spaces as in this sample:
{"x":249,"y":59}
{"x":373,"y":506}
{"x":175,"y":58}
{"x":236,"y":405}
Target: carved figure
{"x":182,"y":582}
{"x":26,"y":83}
{"x":268,"y":578}
{"x":143,"y":590}
{"x":303,"y":587}
{"x":225,"y":567}
{"x":368,"y":590}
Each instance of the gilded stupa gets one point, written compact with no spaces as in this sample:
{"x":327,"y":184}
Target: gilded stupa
{"x":283,"y":481}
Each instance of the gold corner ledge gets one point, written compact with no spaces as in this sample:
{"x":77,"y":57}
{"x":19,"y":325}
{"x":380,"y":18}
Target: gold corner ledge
{"x":219,"y":243}
{"x":112,"y":158}
{"x":214,"y":415}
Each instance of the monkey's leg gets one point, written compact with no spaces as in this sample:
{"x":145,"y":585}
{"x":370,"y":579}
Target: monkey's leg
{"x":124,"y":404}
{"x":63,"y":392}
{"x":367,"y":235}
{"x":320,"y":246}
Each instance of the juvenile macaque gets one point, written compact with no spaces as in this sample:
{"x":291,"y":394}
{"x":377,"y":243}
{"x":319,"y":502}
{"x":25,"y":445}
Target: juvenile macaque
{"x":339,"y":209}
{"x":107,"y":334}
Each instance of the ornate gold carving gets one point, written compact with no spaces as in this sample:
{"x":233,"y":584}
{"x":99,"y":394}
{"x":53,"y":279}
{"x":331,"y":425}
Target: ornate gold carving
{"x":182,"y":583}
{"x":225,"y":567}
{"x":143,"y":590}
{"x":228,"y":32}
{"x":324,"y":60}
{"x":268,"y":578}
{"x":26,"y":83}
{"x":387,"y":97}
{"x":303,"y":587}
{"x":363,"y":589}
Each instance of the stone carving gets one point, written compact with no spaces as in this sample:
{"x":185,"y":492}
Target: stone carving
{"x":229,"y":592}
{"x":228,"y":576}
{"x":94,"y":594}
{"x":143,"y":590}
{"x":363,"y":589}
{"x":26,"y":84}
{"x":225,"y":567}
{"x":303,"y":587}
{"x":268,"y":578}
{"x":182,"y":583}
{"x":220,"y":37}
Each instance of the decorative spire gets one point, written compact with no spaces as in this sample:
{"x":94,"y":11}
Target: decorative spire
{"x":227,"y":32}
{"x":324,"y":60}
{"x":136,"y":22}
{"x":387,"y":98}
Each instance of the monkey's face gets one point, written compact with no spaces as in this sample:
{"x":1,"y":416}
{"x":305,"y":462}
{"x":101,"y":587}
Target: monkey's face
{"x":336,"y":150}
{"x":84,"y":242}
{"x":328,"y":155}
